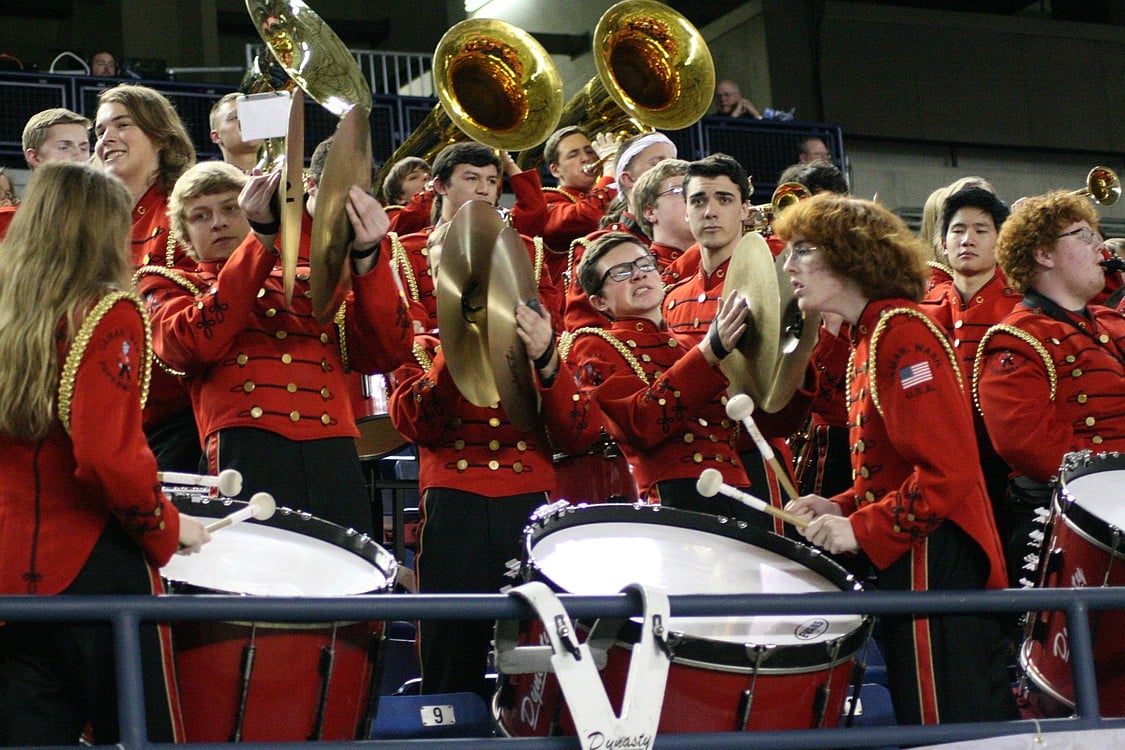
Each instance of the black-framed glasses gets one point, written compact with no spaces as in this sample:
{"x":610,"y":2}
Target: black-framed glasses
{"x":624,"y":271}
{"x":1085,"y":235}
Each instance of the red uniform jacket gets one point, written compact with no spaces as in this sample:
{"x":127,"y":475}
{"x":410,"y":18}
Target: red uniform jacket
{"x":681,"y":266}
{"x":664,"y":403}
{"x":7,"y":213}
{"x":57,"y":494}
{"x":476,"y":449}
{"x":1047,"y":387}
{"x":909,"y":418}
{"x":414,"y":216}
{"x":966,"y":321}
{"x":251,"y":362}
{"x":830,"y":358}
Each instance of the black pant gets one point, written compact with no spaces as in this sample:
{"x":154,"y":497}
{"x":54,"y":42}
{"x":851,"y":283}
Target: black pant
{"x":466,"y":543}
{"x":57,"y":677}
{"x":175,"y":443}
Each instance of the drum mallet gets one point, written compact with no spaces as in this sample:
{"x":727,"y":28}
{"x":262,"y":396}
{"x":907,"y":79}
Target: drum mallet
{"x":741,"y":408}
{"x":229,"y":481}
{"x":261,"y":507}
{"x":710,"y":483}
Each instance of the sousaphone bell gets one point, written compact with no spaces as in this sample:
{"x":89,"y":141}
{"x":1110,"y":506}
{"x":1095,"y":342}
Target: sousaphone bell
{"x":485,"y":273}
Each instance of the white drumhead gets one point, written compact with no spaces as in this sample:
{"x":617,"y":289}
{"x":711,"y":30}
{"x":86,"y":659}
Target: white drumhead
{"x":265,"y":561}
{"x":603,"y":558}
{"x":1102,"y":493}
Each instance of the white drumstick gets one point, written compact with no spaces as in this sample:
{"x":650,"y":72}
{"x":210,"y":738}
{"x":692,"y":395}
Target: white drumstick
{"x":261,"y":507}
{"x":229,"y":481}
{"x":710,"y":483}
{"x":741,"y":407}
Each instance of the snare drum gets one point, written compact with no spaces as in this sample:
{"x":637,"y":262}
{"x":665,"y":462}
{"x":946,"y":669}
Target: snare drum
{"x":727,"y":673}
{"x":267,"y":682}
{"x":600,"y":475}
{"x":1085,"y":546}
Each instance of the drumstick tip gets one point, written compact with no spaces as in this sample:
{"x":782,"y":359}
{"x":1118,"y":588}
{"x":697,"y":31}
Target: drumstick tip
{"x":740,"y":407}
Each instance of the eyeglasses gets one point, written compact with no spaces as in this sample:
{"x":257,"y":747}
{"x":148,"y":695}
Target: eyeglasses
{"x":1085,"y":235}
{"x":624,"y":271}
{"x":802,"y":252}
{"x":677,"y":190}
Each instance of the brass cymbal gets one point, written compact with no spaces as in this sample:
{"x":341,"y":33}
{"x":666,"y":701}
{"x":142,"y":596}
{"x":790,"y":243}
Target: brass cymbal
{"x":292,"y":194}
{"x":348,"y":163}
{"x":512,"y":281}
{"x":461,"y":287}
{"x":750,"y":367}
{"x":798,"y":332}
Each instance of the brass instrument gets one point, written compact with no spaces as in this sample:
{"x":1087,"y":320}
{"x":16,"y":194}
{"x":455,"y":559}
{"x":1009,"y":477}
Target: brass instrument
{"x":1102,"y":186}
{"x":787,"y":194}
{"x":654,"y":72}
{"x":495,"y":84}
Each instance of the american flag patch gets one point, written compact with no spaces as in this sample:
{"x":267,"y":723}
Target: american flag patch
{"x":913,"y":375}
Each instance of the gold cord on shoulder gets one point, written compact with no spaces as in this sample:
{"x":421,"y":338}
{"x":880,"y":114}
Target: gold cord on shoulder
{"x":170,"y":249}
{"x":169,"y":273}
{"x":561,"y":192}
{"x":539,"y":253}
{"x":402,"y":260}
{"x":77,"y":352}
{"x":422,"y":357}
{"x":565,"y":344}
{"x":881,"y":326}
{"x":341,"y":321}
{"x":1027,"y":338}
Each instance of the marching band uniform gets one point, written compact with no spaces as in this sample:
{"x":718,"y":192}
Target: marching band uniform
{"x":826,"y":458}
{"x":7,"y":213}
{"x":81,"y":512}
{"x":263,"y":374}
{"x":1043,"y":371}
{"x":924,"y":524}
{"x":665,"y":405}
{"x":665,"y":254}
{"x":578,"y":312}
{"x":414,"y":216}
{"x":480,"y":479}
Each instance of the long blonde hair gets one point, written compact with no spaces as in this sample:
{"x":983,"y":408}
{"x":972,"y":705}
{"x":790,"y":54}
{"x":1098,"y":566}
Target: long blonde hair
{"x":68,"y":245}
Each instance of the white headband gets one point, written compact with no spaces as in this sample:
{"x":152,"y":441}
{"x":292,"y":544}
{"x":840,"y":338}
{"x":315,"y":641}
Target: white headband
{"x":640,"y":145}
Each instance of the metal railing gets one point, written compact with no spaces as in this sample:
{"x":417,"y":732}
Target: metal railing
{"x":125,"y":613}
{"x":390,"y":73}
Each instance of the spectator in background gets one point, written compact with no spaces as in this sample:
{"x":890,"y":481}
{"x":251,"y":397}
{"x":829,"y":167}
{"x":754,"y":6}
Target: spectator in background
{"x":8,"y":195}
{"x":817,"y":176}
{"x":103,"y":65}
{"x":813,"y":149}
{"x":729,"y":101}
{"x":226,"y":133}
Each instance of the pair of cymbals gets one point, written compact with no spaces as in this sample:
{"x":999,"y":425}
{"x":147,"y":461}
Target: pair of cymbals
{"x":485,"y":272}
{"x":770,"y":360}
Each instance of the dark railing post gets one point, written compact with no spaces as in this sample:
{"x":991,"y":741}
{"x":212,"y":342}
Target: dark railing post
{"x":130,"y":683}
{"x":1081,"y":651}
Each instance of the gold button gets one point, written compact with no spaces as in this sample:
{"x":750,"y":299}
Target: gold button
{"x":494,"y":445}
{"x":324,"y":366}
{"x":157,"y":511}
{"x":292,"y":387}
{"x":325,"y":393}
{"x":521,"y":445}
{"x":256,"y":412}
{"x":958,"y":324}
{"x":630,"y":343}
{"x":1076,"y":372}
{"x":162,"y":526}
{"x":701,"y":298}
{"x":675,"y":394}
{"x":279,"y":335}
{"x":864,"y":472}
{"x":646,"y":358}
{"x":458,"y":445}
{"x":286,"y":358}
{"x":248,"y":386}
{"x":242,"y":359}
{"x":718,"y":458}
{"x":325,"y":419}
{"x":324,"y":338}
{"x":517,"y":467}
{"x":1054,"y":341}
{"x":897,"y":529}
{"x":870,"y":496}
{"x":661,"y":402}
{"x":698,"y":458}
{"x":494,"y":422}
{"x":455,"y":422}
{"x":1082,"y":398}
{"x":671,"y":304}
{"x":302,"y":277}
{"x":673,"y":343}
{"x":493,"y":465}
{"x":1070,"y":358}
{"x":462,"y":465}
{"x":425,"y":252}
{"x":689,"y":438}
{"x":1090,"y":421}
{"x":702,"y":422}
{"x":294,"y":416}
{"x":261,"y":293}
{"x":271,"y":312}
{"x":1104,"y":338}
{"x":575,"y":397}
{"x":713,"y":438}
{"x":1096,"y":440}
{"x":956,"y":342}
{"x":860,"y":446}
{"x":910,"y":517}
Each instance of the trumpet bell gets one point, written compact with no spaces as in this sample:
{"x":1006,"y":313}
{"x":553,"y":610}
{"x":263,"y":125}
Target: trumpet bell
{"x":1103,"y":186}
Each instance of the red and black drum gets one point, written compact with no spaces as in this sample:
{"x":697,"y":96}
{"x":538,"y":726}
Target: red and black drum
{"x":727,"y":673}
{"x":600,"y":475}
{"x":1084,"y":545}
{"x":377,"y":435}
{"x":275,"y":682}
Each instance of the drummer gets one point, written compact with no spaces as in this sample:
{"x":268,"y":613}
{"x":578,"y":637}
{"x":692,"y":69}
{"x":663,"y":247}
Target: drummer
{"x":268,"y":382}
{"x":1048,"y":377}
{"x":917,"y":507}
{"x":662,"y":393}
{"x":81,"y":511}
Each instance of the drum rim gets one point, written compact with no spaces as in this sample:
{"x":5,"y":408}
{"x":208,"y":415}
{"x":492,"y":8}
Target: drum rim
{"x":298,"y":522}
{"x":1036,"y":677}
{"x":700,"y":651}
{"x":1087,"y":525}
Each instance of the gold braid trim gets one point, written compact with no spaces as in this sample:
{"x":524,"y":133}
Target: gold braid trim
{"x":341,"y":321}
{"x":566,"y":341}
{"x":1023,"y":336}
{"x":561,"y":192}
{"x":937,"y":265}
{"x":882,"y":325}
{"x":573,"y":275}
{"x":399,"y":257}
{"x":181,"y":281}
{"x":422,"y":357}
{"x":170,"y":248}
{"x":539,"y":252}
{"x":77,"y":352}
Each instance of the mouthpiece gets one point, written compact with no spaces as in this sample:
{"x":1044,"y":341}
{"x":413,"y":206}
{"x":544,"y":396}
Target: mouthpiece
{"x":1113,"y":264}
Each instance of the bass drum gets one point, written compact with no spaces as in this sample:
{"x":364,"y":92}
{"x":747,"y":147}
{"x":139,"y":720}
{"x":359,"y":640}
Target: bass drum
{"x":600,"y":475}
{"x":277,"y":682}
{"x":377,"y":436}
{"x":1085,"y":546}
{"x":727,"y":673}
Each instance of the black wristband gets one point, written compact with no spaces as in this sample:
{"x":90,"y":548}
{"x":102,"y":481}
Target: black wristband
{"x":361,"y":254}
{"x":265,"y":229}
{"x":544,"y":359}
{"x":717,"y":347}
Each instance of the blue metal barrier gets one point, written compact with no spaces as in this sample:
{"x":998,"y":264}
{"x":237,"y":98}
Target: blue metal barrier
{"x":127,"y":612}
